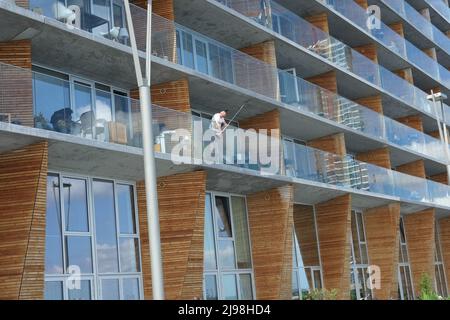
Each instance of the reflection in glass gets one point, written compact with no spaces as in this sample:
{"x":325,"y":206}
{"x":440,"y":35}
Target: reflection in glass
{"x":105,"y":225}
{"x":75,"y":204}
{"x":53,"y":290}
{"x":242,"y":243}
{"x":223,"y":218}
{"x":209,"y":243}
{"x":210,"y":287}
{"x":130,"y":289}
{"x":110,"y":289}
{"x":229,"y":290}
{"x":103,"y":113}
{"x":84,"y":293}
{"x":125,"y":201}
{"x":245,"y":281}
{"x":78,"y":253}
{"x":226,"y":254}
{"x":83,"y":113}
{"x":53,"y":237}
{"x":129,"y":255}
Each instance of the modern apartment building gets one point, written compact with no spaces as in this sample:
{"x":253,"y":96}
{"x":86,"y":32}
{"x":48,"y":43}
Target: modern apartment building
{"x":360,"y":189}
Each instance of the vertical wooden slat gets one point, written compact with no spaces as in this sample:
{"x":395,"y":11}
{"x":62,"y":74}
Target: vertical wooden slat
{"x":369,"y":51}
{"x":419,"y":230}
{"x":415,"y":168}
{"x":23,"y":187}
{"x":270,"y":220}
{"x":444,"y":237}
{"x":163,"y":8}
{"x":382,"y":237}
{"x":334,"y":144}
{"x":374,"y":103}
{"x":333,"y":225}
{"x":405,"y":74}
{"x":181,"y":209}
{"x":379,"y":157}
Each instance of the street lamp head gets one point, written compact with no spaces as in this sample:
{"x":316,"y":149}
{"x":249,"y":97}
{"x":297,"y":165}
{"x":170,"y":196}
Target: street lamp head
{"x":438,"y":96}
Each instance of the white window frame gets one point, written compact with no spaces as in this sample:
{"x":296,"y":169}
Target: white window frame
{"x":220,"y":272}
{"x":405,"y":265}
{"x":95,"y":277}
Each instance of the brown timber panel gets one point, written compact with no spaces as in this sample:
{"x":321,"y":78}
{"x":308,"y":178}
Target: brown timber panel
{"x":325,"y":80}
{"x":374,"y":103}
{"x":333,"y":225}
{"x":444,"y":235}
{"x":305,"y":229}
{"x":320,"y":21}
{"x":262,"y":78}
{"x":405,"y":74}
{"x":16,"y":87}
{"x":398,"y":28}
{"x":23,"y":3}
{"x":173,"y":95}
{"x":441,"y":178}
{"x":270,"y":219}
{"x":268,"y":120}
{"x":362,"y":3}
{"x":415,"y":168}
{"x":414,"y":122}
{"x":181,"y":209}
{"x":419,"y":230}
{"x":434,"y":134}
{"x":163,"y":8}
{"x":431,"y":52}
{"x":382,"y":236}
{"x":23,"y":187}
{"x":334,"y":144}
{"x":379,"y":157}
{"x":368,"y":50}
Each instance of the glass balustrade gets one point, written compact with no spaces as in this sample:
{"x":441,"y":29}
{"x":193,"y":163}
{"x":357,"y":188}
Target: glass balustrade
{"x":101,"y":115}
{"x":298,"y":30}
{"x":440,"y":7}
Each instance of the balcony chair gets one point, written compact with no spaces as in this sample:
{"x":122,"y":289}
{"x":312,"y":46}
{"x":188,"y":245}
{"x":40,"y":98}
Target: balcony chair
{"x":62,"y":13}
{"x":112,"y":34}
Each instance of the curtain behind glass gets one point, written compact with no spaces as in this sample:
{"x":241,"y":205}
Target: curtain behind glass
{"x":243,"y":253}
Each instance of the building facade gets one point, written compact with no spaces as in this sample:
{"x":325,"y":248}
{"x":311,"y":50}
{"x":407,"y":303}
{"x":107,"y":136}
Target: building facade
{"x":351,"y":202}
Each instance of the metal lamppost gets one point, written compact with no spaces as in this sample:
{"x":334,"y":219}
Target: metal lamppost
{"x":443,"y":134}
{"x":151,"y":191}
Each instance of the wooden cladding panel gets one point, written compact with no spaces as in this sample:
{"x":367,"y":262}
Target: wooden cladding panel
{"x":415,"y":168}
{"x":405,"y":74}
{"x":305,"y":229}
{"x":434,"y":134}
{"x":441,"y":178}
{"x":362,"y":3}
{"x":263,"y":78}
{"x":326,"y":80}
{"x":320,"y":21}
{"x":334,"y":144}
{"x":333,"y":225}
{"x":414,"y":122}
{"x":163,"y":8}
{"x":431,"y":52}
{"x":173,"y":95}
{"x":23,"y":188}
{"x":268,"y":120}
{"x":270,"y":219}
{"x":444,"y":237}
{"x":398,"y":28}
{"x":374,"y":103}
{"x":419,"y":230}
{"x":379,"y":157}
{"x":17,"y":53}
{"x":181,"y":208}
{"x":382,"y":237}
{"x":369,"y":51}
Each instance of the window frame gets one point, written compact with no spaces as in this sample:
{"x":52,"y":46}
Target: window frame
{"x":405,"y":265}
{"x":95,"y":277}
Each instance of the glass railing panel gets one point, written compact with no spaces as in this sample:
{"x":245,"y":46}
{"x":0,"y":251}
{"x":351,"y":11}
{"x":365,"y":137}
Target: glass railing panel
{"x":439,"y":193}
{"x":423,"y":61}
{"x":415,"y":18}
{"x":365,"y":68}
{"x":440,"y":7}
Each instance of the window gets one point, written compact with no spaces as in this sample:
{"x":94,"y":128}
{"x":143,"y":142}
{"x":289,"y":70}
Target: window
{"x":441,"y":281}
{"x":405,"y":284}
{"x":359,"y":275}
{"x":227,"y":252}
{"x":92,"y":228}
{"x":306,"y":270}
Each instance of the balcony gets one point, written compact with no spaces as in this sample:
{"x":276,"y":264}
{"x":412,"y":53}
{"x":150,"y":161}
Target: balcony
{"x":298,"y":30}
{"x":441,"y":8}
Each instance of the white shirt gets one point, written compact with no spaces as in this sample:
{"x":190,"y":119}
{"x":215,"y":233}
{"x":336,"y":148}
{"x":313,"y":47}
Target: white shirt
{"x":216,"y":122}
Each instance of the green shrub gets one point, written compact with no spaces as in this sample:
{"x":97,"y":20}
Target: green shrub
{"x":426,"y":289}
{"x":322,"y":294}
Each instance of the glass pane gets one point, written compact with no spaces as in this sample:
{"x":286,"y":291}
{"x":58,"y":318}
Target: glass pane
{"x":131,"y":289}
{"x":129,"y":255}
{"x":84,"y":293}
{"x":364,"y":257}
{"x":317,"y":279}
{"x":105,"y":225}
{"x":110,"y":289}
{"x":223,"y":218}
{"x":53,"y":290}
{"x":78,"y":252}
{"x":246,"y":289}
{"x":75,"y":205}
{"x":201,"y":56}
{"x":243,"y":253}
{"x":122,"y":114}
{"x":125,"y":199}
{"x":226,"y":255}
{"x":209,"y":244}
{"x":229,"y":290}
{"x":83,"y":113}
{"x":295,"y":285}
{"x":360,"y":227}
{"x":53,"y":238}
{"x":304,"y":282}
{"x":188,"y":50}
{"x":52,"y":104}
{"x":101,"y":14}
{"x":210,"y":287}
{"x":103,"y":112}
